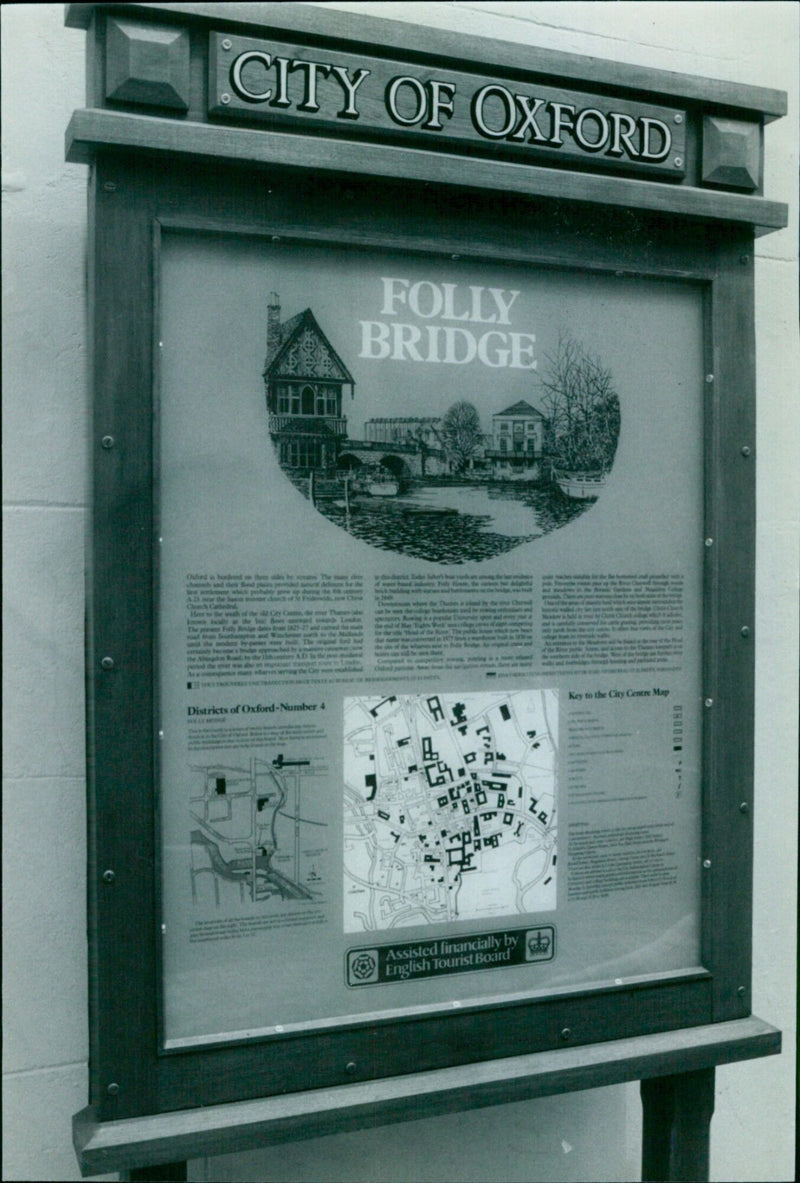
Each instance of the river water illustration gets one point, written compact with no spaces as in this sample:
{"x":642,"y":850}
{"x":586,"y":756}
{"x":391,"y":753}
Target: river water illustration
{"x":455,"y":522}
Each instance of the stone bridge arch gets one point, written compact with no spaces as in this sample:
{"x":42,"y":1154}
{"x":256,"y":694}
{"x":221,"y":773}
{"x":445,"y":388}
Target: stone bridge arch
{"x":400,"y":467}
{"x":400,"y":462}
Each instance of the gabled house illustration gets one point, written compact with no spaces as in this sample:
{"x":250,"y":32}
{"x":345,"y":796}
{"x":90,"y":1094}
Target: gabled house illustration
{"x":304,"y":378}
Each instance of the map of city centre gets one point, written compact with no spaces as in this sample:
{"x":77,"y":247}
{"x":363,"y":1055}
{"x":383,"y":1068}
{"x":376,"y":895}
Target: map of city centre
{"x":449,"y":807}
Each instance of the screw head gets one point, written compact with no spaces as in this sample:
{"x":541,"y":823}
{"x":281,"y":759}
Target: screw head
{"x":107,"y":663}
{"x":350,"y":1067}
{"x":744,"y":631}
{"x":744,"y":807}
{"x":107,"y":442}
{"x":566,"y":1033}
{"x":108,"y":876}
{"x":226,"y":44}
{"x":745,"y":450}
{"x":709,"y":377}
{"x":225,"y":98}
{"x":112,"y":1089}
{"x":744,"y":258}
{"x":709,"y":541}
{"x":706,"y":863}
{"x":709,"y":702}
{"x":679,"y":119}
{"x":741,"y":991}
{"x":110,"y":186}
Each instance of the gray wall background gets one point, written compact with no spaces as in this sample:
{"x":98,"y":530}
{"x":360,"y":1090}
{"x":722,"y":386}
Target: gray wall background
{"x":585,"y":1136}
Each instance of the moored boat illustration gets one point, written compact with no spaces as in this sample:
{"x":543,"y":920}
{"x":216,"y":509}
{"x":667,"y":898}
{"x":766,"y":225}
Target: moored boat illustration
{"x":581,"y":486}
{"x":383,"y":488}
{"x":378,"y":483}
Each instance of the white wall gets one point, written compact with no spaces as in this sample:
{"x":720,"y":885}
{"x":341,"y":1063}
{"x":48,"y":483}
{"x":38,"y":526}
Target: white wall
{"x":585,"y":1136}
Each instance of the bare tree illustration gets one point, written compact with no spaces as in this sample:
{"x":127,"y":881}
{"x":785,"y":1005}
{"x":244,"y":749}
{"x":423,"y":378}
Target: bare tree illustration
{"x":582,"y":407}
{"x":461,"y":434}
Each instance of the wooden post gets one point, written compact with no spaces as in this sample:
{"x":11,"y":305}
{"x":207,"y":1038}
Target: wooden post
{"x":676,"y":1122}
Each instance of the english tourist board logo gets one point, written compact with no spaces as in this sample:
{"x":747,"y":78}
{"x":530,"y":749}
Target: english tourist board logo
{"x":433,"y":957}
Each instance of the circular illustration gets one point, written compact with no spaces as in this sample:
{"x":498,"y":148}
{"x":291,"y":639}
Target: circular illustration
{"x":460,"y":485}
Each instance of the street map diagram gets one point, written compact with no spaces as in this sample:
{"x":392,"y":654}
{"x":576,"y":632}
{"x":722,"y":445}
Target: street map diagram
{"x":252,"y":839}
{"x":449,"y":807}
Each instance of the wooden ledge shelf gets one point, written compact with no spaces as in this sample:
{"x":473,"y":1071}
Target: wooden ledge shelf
{"x":94,"y":129}
{"x":245,"y":1125}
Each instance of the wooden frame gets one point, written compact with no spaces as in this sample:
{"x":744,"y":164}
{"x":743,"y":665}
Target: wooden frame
{"x":129,"y":206}
{"x":149,"y":173}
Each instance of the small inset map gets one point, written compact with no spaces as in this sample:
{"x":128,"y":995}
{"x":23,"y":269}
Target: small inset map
{"x":254,"y":834}
{"x":449,"y":807}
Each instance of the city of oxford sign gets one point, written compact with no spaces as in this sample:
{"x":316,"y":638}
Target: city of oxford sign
{"x":291,"y":86}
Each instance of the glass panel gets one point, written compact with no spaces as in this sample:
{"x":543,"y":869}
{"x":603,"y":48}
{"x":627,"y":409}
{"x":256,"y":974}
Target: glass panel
{"x":430,"y":705}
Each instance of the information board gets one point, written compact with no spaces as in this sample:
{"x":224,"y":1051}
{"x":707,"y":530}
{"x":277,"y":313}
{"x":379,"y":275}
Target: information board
{"x":430,"y":550}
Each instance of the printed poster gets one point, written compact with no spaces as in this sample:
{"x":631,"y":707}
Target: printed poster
{"x":430,"y":556}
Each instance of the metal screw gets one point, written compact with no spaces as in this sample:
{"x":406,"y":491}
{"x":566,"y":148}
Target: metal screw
{"x":744,"y":807}
{"x":112,"y":1089}
{"x":709,"y":541}
{"x":678,"y":162}
{"x":709,"y":377}
{"x":709,"y":702}
{"x":350,"y":1067}
{"x":679,"y":119}
{"x":566,"y":1033}
{"x":110,"y":186}
{"x":107,"y":663}
{"x":706,"y":863}
{"x":276,"y":237}
{"x":745,"y":450}
{"x":454,"y":257}
{"x":744,"y":631}
{"x":225,"y":98}
{"x":741,"y":991}
{"x":226,"y":44}
{"x":107,"y":441}
{"x":108,"y":876}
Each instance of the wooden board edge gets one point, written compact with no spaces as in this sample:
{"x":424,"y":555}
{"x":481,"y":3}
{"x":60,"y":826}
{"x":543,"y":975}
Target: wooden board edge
{"x":91,"y":129}
{"x":224,"y":1129}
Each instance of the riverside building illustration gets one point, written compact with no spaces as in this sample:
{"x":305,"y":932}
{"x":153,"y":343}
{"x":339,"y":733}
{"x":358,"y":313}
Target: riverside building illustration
{"x":437,"y":486}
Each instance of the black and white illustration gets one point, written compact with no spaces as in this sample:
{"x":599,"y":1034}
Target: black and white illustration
{"x":508,"y":449}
